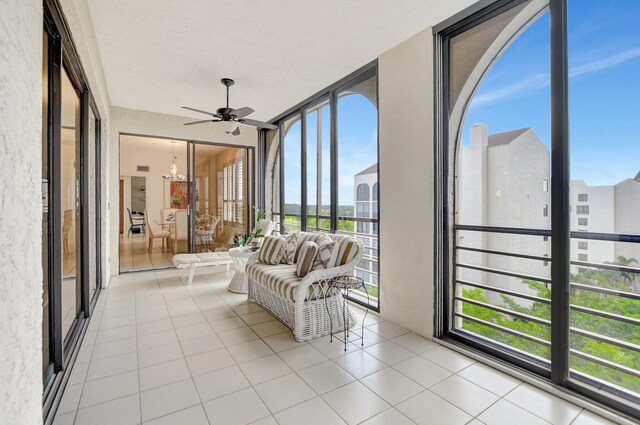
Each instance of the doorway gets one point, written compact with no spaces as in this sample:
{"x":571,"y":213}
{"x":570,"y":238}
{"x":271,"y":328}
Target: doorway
{"x":179,"y":196}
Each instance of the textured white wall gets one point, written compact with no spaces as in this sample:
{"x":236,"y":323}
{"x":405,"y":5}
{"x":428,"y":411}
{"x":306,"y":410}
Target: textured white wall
{"x":405,"y":82}
{"x":20,"y":212}
{"x":152,"y":124}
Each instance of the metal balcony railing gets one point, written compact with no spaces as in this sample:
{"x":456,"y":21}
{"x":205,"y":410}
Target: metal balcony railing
{"x":525,"y":315}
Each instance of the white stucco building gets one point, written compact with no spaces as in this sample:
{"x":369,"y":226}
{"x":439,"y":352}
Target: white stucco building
{"x":605,"y":209}
{"x":366,"y":206}
{"x":503,"y":180}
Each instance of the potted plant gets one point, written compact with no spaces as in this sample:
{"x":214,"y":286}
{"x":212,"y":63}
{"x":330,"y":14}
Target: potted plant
{"x":243,"y":240}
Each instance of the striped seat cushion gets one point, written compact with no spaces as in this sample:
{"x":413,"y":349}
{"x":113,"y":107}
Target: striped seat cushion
{"x":281,"y":279}
{"x":306,"y":258}
{"x":272,"y":250}
{"x":347,"y":249}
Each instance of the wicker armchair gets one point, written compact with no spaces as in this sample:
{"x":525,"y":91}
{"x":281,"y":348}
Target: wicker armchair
{"x":305,"y":304}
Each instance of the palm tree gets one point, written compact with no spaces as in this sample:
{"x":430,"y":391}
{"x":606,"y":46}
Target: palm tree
{"x":628,"y":277}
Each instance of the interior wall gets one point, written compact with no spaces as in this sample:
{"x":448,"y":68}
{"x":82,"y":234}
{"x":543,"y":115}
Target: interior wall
{"x":157,"y":190}
{"x":21,"y":212}
{"x":132,"y":121}
{"x":405,"y":81}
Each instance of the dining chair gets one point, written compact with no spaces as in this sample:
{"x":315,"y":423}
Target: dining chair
{"x":163,"y":234}
{"x":181,"y":230}
{"x":134,"y":223}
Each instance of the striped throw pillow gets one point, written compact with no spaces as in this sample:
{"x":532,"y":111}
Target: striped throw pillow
{"x":327,"y":253}
{"x":272,"y":250}
{"x":291,"y":248}
{"x":306,"y":257}
{"x":347,"y":250}
{"x":304,"y":237}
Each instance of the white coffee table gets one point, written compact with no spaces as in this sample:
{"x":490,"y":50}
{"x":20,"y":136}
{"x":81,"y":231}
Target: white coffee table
{"x":239,"y":283}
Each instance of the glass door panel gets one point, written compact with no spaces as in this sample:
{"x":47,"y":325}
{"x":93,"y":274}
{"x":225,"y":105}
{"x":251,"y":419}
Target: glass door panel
{"x":501,"y":280}
{"x":292,"y":154}
{"x":46,"y":237}
{"x":318,"y":150}
{"x":70,"y":182}
{"x":605,"y":195}
{"x":92,"y":204}
{"x":357,"y":146}
{"x":220,"y":199}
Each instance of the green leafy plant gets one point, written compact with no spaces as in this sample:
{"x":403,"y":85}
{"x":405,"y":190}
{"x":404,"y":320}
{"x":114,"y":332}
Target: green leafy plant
{"x":245,"y":239}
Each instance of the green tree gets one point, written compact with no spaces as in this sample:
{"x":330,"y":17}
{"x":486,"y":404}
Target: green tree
{"x":617,"y":329}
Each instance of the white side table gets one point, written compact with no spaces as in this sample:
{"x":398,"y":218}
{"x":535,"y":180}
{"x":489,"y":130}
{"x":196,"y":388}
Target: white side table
{"x":239,"y":283}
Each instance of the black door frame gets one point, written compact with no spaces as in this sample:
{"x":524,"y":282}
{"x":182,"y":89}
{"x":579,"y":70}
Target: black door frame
{"x":191,"y":194}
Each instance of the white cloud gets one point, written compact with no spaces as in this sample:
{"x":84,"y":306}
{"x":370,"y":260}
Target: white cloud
{"x":528,"y":85}
{"x":609,"y":62}
{"x":541,"y":80}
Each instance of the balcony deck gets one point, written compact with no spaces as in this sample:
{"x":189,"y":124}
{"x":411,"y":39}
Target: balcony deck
{"x":160,"y":352}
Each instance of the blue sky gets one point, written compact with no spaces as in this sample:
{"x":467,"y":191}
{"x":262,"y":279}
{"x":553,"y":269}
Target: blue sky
{"x":357,"y":149}
{"x":604,"y":89}
{"x":604,"y":62}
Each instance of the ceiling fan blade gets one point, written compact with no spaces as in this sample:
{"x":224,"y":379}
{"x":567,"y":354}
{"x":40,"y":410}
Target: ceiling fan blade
{"x":235,"y":132}
{"x":199,"y":122}
{"x":242,"y":112}
{"x":257,"y":123}
{"x":198,"y":110}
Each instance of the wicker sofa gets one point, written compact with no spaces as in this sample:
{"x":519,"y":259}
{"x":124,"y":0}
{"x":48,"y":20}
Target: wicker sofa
{"x":302,"y":304}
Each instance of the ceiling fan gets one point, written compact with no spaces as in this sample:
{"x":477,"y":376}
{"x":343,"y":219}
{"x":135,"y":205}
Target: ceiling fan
{"x":231,"y":115}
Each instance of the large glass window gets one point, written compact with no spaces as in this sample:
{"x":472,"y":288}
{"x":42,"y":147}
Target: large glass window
{"x":318,"y":167}
{"x":357,"y":146}
{"x":320,"y":195}
{"x":292,"y":164}
{"x":505,"y":135}
{"x":501,"y":166}
{"x":604,"y":65}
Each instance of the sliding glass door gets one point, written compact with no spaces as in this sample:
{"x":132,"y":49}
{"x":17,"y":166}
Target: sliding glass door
{"x":540,"y":242}
{"x":604,"y":65}
{"x":220,"y":192}
{"x":70,"y":204}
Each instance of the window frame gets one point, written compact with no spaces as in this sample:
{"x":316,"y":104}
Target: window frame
{"x":330,"y":93}
{"x":237,"y":196}
{"x":560,"y":373}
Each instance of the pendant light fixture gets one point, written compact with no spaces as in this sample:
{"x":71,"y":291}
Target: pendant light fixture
{"x":173,"y":169}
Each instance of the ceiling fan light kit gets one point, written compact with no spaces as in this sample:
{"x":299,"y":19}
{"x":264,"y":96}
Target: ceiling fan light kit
{"x":229,"y":115}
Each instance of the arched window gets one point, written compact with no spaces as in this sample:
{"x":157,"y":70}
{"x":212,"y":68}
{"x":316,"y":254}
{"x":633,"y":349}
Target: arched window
{"x":362,"y":192}
{"x":321,"y":175}
{"x":526,"y":89}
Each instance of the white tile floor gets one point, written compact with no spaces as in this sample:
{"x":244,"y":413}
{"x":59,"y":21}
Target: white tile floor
{"x":159,"y":352}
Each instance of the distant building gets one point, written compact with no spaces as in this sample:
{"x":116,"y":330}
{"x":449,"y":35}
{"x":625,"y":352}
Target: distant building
{"x":605,"y":209}
{"x":366,"y":206}
{"x":503,"y":180}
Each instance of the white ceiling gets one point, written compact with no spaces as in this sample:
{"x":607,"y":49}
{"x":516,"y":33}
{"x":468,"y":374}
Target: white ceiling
{"x":159,"y":55}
